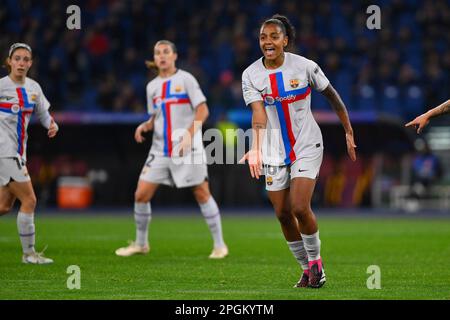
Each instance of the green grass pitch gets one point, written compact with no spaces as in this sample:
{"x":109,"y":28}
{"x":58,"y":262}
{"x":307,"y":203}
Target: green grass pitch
{"x":413,"y":256}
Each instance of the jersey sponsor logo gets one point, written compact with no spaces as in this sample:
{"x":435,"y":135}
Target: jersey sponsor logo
{"x":15,"y":108}
{"x":159,"y":101}
{"x":269,"y":100}
{"x":294,"y":83}
{"x":171,"y":100}
{"x":287,"y":98}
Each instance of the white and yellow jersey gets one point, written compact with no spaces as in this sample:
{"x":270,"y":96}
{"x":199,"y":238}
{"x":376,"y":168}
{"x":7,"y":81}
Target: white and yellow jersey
{"x":292,"y":132}
{"x":173,"y":101}
{"x":17,"y":103}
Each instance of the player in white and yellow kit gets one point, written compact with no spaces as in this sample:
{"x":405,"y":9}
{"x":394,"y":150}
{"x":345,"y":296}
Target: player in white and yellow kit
{"x":20,"y":97}
{"x":177,"y":109}
{"x":287,"y":142}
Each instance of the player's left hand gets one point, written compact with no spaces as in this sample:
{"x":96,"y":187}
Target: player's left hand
{"x":350,"y":146}
{"x":53,"y":129}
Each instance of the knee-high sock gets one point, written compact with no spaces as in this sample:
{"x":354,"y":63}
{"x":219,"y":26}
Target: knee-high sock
{"x":142,"y":217}
{"x":211,"y":213}
{"x":25,"y":225}
{"x":298,"y":250}
{"x":312,"y":245}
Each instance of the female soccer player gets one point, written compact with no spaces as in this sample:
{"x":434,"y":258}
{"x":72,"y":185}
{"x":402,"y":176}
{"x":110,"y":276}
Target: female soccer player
{"x":175,"y":104}
{"x":422,"y":121}
{"x":287,"y":139}
{"x":19,"y":98}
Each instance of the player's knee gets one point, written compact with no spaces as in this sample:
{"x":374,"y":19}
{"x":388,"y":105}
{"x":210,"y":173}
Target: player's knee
{"x":29,"y":203}
{"x":301,"y":211}
{"x":201,"y":195}
{"x":141,"y":197}
{"x":285,"y":217}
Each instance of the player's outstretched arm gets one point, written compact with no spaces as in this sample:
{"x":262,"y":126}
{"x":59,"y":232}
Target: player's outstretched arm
{"x":142,"y":128}
{"x":422,"y":121}
{"x":339,"y":107}
{"x":254,"y":156}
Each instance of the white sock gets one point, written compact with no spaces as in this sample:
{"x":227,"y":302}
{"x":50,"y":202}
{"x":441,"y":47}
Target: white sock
{"x":299,"y":252}
{"x":312,"y":245}
{"x":211,"y":213}
{"x":142,"y":217}
{"x":25,"y":225}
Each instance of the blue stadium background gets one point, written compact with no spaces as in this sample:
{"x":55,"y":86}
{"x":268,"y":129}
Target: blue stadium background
{"x":400,"y":70}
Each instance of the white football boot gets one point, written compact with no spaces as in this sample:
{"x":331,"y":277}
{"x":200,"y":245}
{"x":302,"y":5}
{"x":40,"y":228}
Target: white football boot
{"x":132,"y":249}
{"x":219,"y":253}
{"x":36,"y":258}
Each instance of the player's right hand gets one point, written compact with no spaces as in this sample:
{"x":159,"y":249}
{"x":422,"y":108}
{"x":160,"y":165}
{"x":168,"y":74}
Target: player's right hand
{"x":420,"y":122}
{"x":254,"y":158}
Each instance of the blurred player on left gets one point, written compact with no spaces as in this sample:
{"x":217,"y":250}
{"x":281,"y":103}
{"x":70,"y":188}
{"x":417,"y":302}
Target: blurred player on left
{"x":20,"y":96}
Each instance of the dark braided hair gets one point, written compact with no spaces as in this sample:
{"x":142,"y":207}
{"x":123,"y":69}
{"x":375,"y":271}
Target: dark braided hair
{"x":285,"y":25}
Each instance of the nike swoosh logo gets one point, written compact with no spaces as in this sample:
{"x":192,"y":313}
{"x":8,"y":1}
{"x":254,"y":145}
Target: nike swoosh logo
{"x":261,"y":91}
{"x":301,"y":170}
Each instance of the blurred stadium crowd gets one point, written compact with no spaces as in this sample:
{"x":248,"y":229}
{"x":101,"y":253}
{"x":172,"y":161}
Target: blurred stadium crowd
{"x":401,"y":69}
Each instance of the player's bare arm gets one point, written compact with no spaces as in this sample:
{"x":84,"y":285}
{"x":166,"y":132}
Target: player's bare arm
{"x":201,"y":114}
{"x":422,"y":121}
{"x":339,"y":107}
{"x":254,"y":156}
{"x":142,"y":128}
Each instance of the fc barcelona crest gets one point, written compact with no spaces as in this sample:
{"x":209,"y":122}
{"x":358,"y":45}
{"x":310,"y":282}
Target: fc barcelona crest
{"x":178,"y":89}
{"x":294,"y":83}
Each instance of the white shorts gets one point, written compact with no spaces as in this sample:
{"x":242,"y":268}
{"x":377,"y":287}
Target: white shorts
{"x":279,"y":177}
{"x":13,"y":169}
{"x":163,"y":170}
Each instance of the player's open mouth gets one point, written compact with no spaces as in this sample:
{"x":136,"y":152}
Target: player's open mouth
{"x":269,"y":50}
